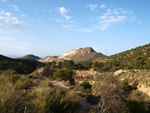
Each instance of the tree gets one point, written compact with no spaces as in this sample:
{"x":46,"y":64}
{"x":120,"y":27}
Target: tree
{"x":85,"y":87}
{"x":112,"y":97}
{"x":60,"y":65}
{"x":69,"y":64}
{"x":97,"y":65}
{"x":64,"y":74}
{"x":53,"y":66}
{"x":139,"y":62}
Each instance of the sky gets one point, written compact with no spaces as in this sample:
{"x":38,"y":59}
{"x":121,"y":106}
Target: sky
{"x":52,"y":27}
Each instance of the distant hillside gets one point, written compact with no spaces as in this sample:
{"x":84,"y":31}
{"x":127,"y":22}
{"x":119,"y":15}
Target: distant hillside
{"x":30,"y":56}
{"x":23,"y":66}
{"x":138,"y":58}
{"x":4,"y":58}
{"x":77,"y":55}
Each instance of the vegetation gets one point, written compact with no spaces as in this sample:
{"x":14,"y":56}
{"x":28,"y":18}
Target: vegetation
{"x":137,"y":58}
{"x":92,"y":99}
{"x":42,"y":99}
{"x":59,"y":101}
{"x":21,"y":66}
{"x":85,"y":87}
{"x":64,"y":74}
{"x":22,"y":90}
{"x":125,"y":86}
{"x":115,"y":99}
{"x":69,"y":64}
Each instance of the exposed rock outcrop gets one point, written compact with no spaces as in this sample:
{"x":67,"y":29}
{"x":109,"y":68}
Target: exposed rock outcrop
{"x":77,"y":55}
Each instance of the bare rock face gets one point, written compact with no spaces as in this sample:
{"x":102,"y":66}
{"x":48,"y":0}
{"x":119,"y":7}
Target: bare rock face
{"x":88,"y":50}
{"x":77,"y":55}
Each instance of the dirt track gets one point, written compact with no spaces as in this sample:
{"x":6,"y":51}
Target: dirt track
{"x":60,"y":84}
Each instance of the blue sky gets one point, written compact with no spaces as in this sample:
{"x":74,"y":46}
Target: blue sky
{"x":52,"y":27}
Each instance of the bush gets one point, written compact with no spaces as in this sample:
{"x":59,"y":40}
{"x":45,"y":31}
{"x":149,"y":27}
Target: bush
{"x":112,"y":97}
{"x":85,"y":85}
{"x":11,"y":100}
{"x":39,"y":94}
{"x":69,"y":64}
{"x":64,"y":74}
{"x":93,"y":99}
{"x":125,"y":86}
{"x":136,"y":106}
{"x":85,"y":88}
{"x":138,"y":102}
{"x":59,"y":101}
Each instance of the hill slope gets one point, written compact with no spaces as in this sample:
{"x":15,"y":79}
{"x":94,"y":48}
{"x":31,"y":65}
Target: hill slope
{"x":23,"y":66}
{"x":77,"y":55}
{"x":138,"y":58}
{"x":4,"y":58}
{"x":30,"y":56}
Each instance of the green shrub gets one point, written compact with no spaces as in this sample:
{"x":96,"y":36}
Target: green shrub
{"x":85,"y":85}
{"x":11,"y":100}
{"x":125,"y":86}
{"x":85,"y":88}
{"x":64,"y":74}
{"x":93,"y":99}
{"x":136,"y":106}
{"x":59,"y":101}
{"x":39,"y":94}
{"x":138,"y":102}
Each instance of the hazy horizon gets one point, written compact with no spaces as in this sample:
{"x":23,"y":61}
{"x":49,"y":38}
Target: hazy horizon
{"x":53,"y":27}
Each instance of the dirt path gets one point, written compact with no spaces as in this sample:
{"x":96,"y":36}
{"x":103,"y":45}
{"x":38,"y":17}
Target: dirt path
{"x":61,"y":85}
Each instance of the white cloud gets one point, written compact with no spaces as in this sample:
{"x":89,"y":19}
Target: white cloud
{"x":7,"y":39}
{"x":4,"y":13}
{"x":9,"y":23}
{"x":67,"y":17}
{"x":102,"y":6}
{"x":85,"y":30}
{"x":104,"y":26}
{"x":59,"y":20}
{"x":92,"y":6}
{"x":62,"y":20}
{"x":3,"y":0}
{"x":102,"y":17}
{"x":113,"y":16}
{"x":113,"y":19}
{"x":15,"y":7}
{"x":68,"y":26}
{"x":62,"y":10}
{"x":8,"y":14}
{"x":118,"y":11}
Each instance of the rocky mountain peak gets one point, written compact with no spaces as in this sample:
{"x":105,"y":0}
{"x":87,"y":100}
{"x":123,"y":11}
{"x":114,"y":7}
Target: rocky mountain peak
{"x":88,"y":50}
{"x":77,"y":55}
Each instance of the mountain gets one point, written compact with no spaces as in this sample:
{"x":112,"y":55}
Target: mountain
{"x":4,"y":58}
{"x":30,"y":56}
{"x":77,"y":55}
{"x":22,"y":66}
{"x":138,"y":58}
